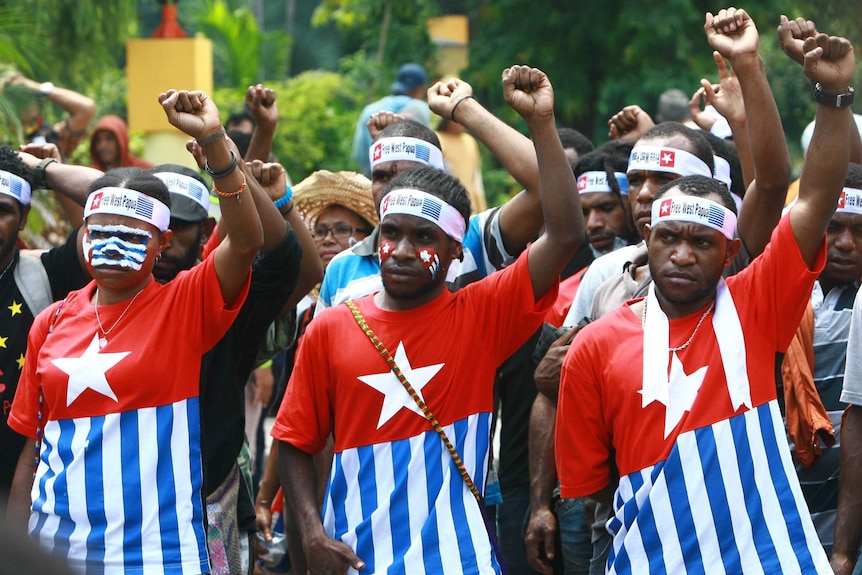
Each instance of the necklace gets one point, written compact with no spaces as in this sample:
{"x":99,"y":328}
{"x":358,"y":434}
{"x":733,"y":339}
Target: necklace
{"x":691,"y":337}
{"x":103,"y":341}
{"x":12,"y":261}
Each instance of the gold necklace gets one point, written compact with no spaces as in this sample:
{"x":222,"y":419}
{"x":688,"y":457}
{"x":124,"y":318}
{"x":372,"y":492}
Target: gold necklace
{"x":103,"y":341}
{"x":697,"y":327}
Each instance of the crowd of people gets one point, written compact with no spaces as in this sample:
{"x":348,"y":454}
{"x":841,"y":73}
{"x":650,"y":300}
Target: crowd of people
{"x":660,"y":328}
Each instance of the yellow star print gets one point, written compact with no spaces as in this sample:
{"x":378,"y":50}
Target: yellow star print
{"x":20,"y":361}
{"x":15,"y":308}
{"x":3,"y":342}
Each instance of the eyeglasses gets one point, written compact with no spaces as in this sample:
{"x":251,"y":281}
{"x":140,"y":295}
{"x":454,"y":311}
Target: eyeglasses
{"x":339,"y":232}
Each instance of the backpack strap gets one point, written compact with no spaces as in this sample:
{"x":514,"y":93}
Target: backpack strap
{"x":33,"y":283}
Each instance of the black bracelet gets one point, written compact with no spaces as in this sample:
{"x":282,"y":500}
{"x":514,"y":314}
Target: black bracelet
{"x":39,"y":174}
{"x":211,"y":138}
{"x":225,"y":172}
{"x":455,"y":107}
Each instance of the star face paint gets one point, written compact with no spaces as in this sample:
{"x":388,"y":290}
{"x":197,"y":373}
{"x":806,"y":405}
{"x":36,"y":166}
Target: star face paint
{"x":384,"y":249}
{"x":116,"y":246}
{"x":430,"y":261}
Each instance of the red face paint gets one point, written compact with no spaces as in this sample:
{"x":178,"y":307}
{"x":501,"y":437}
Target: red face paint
{"x":430,"y":260}
{"x":385,"y":249}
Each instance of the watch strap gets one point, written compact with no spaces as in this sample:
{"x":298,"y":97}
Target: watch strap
{"x":834,"y":100}
{"x":39,"y":173}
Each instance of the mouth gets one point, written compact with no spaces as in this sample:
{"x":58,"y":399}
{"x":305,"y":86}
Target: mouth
{"x":601,"y":242}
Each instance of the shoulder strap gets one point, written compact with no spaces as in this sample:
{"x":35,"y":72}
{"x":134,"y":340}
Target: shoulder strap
{"x":33,"y":283}
{"x":459,"y":463}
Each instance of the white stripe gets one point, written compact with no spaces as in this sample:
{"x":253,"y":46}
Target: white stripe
{"x":148,"y":456}
{"x":46,"y":536}
{"x":665,"y":525}
{"x":112,"y":476}
{"x":481,"y":543}
{"x":181,"y":466}
{"x":417,"y":506}
{"x":353,"y":502}
{"x":445,"y":522}
{"x":381,"y":520}
{"x":729,"y":465}
{"x":698,"y":502}
{"x":77,"y":489}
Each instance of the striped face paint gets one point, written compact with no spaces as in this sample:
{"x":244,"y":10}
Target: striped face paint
{"x":116,"y":245}
{"x":430,"y":260}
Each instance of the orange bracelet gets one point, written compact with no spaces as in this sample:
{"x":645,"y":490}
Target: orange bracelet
{"x":236,"y":194}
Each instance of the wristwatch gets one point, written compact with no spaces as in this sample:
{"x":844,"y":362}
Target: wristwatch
{"x":835,"y":100}
{"x":45,"y":88}
{"x":39,"y":174}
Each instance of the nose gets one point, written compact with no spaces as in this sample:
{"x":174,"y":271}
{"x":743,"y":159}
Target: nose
{"x":594,"y":221}
{"x":646,"y":193}
{"x":844,"y":241}
{"x":682,"y":254}
{"x":404,"y":249}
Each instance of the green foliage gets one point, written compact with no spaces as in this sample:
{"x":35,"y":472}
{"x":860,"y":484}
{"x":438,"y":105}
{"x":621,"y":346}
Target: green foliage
{"x":236,"y":43}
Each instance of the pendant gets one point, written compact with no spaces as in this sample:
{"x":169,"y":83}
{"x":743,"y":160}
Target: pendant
{"x":102,"y":342}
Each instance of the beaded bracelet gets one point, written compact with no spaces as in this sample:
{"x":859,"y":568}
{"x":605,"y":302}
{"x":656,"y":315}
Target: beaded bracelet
{"x":235,"y":194}
{"x":288,"y":195}
{"x":211,"y":138}
{"x":225,"y":172}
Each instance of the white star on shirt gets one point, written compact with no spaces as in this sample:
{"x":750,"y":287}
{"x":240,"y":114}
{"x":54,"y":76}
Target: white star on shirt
{"x":679,"y":394}
{"x":426,"y":257}
{"x":88,"y":371}
{"x":395,"y":396}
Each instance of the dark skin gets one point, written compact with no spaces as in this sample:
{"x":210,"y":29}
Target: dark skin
{"x":843,"y":251}
{"x":13,"y":218}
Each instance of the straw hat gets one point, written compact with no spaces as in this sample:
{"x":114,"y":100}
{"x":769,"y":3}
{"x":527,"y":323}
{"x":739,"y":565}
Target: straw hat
{"x":324,"y":188}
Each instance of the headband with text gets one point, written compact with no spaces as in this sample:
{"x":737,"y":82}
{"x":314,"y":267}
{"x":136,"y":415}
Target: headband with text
{"x":672,"y":160}
{"x":405,"y":149}
{"x":131,"y":203}
{"x":186,"y":186}
{"x":850,"y":201}
{"x":722,"y":170}
{"x":594,"y":182}
{"x":15,"y":187}
{"x":696,"y":210}
{"x":426,"y":206}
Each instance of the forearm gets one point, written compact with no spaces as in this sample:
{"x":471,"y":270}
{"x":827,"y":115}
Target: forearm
{"x":260,"y":146}
{"x":269,"y":483}
{"x":18,"y":510}
{"x":848,"y":521}
{"x":240,"y":218}
{"x":70,"y":180}
{"x":743,"y":150}
{"x":297,"y":476}
{"x":543,"y":469}
{"x":271,"y":221}
{"x":310,"y":267}
{"x":80,"y":108}
{"x":764,"y":200}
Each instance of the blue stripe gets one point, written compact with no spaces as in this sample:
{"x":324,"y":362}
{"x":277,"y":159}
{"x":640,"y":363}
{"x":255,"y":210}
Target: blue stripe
{"x":95,"y":486}
{"x":368,"y":501}
{"x":61,"y":490}
{"x":483,"y":437}
{"x":166,"y":487}
{"x":193,"y":414}
{"x":42,"y":498}
{"x":753,"y":503}
{"x":132,"y":500}
{"x":399,"y":510}
{"x":789,"y":510}
{"x":456,"y":500}
{"x":682,"y":517}
{"x":433,"y":448}
{"x":715,"y":490}
{"x":630,"y":514}
{"x":650,"y":539}
{"x":339,"y":496}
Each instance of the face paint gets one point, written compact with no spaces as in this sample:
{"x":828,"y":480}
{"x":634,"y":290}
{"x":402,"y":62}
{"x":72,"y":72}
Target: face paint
{"x":117,"y":246}
{"x":430,"y":260}
{"x":385,"y":249}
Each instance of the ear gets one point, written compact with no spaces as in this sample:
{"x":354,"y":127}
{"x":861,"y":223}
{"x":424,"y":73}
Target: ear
{"x":22,"y":223}
{"x":457,"y":251}
{"x":208,"y":225}
{"x":165,"y":239}
{"x":647,"y":230}
{"x":733,"y":247}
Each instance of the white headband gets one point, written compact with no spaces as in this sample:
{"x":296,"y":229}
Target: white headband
{"x":722,"y":170}
{"x":594,"y":182}
{"x":131,"y":203}
{"x":672,"y":160}
{"x":694,"y":209}
{"x":850,"y":201}
{"x":424,"y":205}
{"x":403,"y":148}
{"x":15,"y":186}
{"x":186,"y":186}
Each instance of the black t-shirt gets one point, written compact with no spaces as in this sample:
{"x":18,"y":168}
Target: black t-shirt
{"x":225,"y":369}
{"x":65,"y":274}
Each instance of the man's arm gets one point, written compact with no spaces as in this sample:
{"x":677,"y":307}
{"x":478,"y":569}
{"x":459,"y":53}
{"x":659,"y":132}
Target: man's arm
{"x":528,"y":91}
{"x":325,"y":556}
{"x":18,"y":510}
{"x":521,"y":217}
{"x":848,"y":521}
{"x":829,"y":61}
{"x":734,"y":35}
{"x":260,"y":102}
{"x":542,"y":527}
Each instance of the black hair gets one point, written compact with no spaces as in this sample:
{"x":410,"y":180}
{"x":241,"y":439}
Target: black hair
{"x":239,"y":118}
{"x":409,"y":129}
{"x":11,"y":162}
{"x":700,"y":145}
{"x":574,"y":139}
{"x":242,"y":141}
{"x":182,"y":170}
{"x":610,"y":157}
{"x":727,"y":150}
{"x":136,"y":179}
{"x":854,"y":176}
{"x":700,"y":187}
{"x":435,"y":182}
